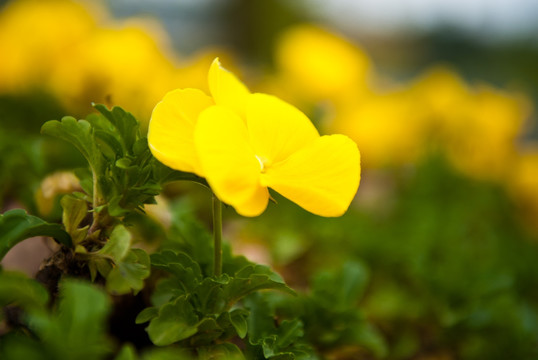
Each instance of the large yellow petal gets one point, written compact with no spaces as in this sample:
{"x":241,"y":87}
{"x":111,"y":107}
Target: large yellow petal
{"x":277,"y":129}
{"x":226,"y":88}
{"x":171,"y":129}
{"x":228,"y":161}
{"x":322,"y":177}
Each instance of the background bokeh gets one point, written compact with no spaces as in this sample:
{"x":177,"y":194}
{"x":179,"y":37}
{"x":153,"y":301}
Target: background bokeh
{"x":439,"y":96}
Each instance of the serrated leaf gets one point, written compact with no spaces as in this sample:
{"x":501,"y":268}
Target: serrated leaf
{"x":18,"y":289}
{"x":124,"y":123}
{"x":16,"y":225}
{"x":210,"y":296}
{"x":108,"y":144}
{"x":225,"y":351}
{"x":129,"y":274}
{"x":165,"y":290}
{"x":254,"y":278}
{"x":165,"y":259}
{"x":209,"y":330}
{"x":176,"y":321}
{"x":185,"y":270}
{"x":79,"y":134}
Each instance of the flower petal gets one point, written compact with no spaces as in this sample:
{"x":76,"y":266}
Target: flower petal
{"x":277,"y":129}
{"x":226,"y":88}
{"x":228,"y":161}
{"x":322,"y":177}
{"x":170,"y":134}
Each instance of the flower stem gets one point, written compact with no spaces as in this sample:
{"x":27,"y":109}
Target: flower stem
{"x":95,"y":222}
{"x":217,"y":235}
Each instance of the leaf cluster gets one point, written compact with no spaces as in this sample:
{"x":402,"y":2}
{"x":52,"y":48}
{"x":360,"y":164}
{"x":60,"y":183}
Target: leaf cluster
{"x":122,"y":174}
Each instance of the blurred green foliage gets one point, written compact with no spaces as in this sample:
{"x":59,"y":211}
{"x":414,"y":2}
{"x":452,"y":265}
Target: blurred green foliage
{"x":452,"y":271}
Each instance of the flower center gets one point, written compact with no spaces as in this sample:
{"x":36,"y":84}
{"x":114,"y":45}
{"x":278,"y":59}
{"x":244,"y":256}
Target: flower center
{"x":262,"y":162}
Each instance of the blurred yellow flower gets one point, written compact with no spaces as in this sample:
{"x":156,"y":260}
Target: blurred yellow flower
{"x":118,"y":66}
{"x":244,"y":143}
{"x":481,"y":140}
{"x":320,"y":65}
{"x":523,"y":185}
{"x":388,"y":128}
{"x":34,"y":36}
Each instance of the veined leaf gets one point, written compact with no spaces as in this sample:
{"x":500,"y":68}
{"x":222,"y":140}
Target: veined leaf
{"x":124,"y":123}
{"x":79,"y":134}
{"x":128,"y":274}
{"x":176,"y":321}
{"x":253,"y":278}
{"x":16,"y":225}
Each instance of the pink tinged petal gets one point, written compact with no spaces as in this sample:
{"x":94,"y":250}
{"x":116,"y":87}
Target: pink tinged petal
{"x":321,"y":178}
{"x":226,"y":88}
{"x":277,"y":129}
{"x":228,"y":161}
{"x":171,"y":129}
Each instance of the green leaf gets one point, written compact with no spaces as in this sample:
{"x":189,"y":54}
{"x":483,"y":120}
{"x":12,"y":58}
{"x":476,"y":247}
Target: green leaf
{"x":254,"y":278}
{"x":127,"y":352}
{"x":18,"y":289}
{"x":79,"y":134}
{"x":284,"y":340}
{"x":261,"y":321}
{"x":342,"y":288}
{"x":124,"y":123}
{"x":288,"y":332}
{"x":209,"y":297}
{"x":118,"y":244}
{"x":129,"y":274}
{"x":225,"y":351}
{"x":168,"y":260}
{"x":16,"y":225}
{"x":74,"y":211}
{"x":176,"y":321}
{"x":191,"y":237}
{"x":165,"y":290}
{"x":77,"y":328}
{"x":209,"y":330}
{"x":238,"y":318}
{"x":167,"y":353}
{"x":147,"y":314}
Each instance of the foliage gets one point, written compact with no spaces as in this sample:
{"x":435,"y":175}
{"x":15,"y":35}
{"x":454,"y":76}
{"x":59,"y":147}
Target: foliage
{"x":183,"y":309}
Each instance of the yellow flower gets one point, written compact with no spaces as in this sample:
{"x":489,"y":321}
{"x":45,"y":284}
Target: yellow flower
{"x":244,"y":143}
{"x":35,"y":35}
{"x":387,"y":127}
{"x":340,"y":67}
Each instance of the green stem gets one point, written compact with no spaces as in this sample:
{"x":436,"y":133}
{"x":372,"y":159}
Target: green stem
{"x":217,"y":235}
{"x":95,"y":222}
